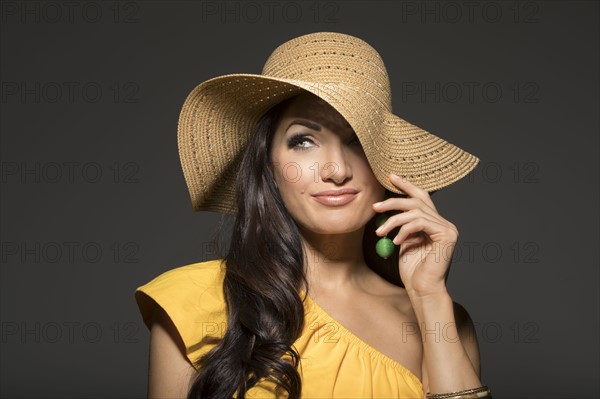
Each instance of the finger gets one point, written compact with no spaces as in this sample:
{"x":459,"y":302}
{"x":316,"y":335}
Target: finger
{"x":406,"y":205}
{"x":403,"y":218}
{"x":428,"y":227}
{"x":415,"y":227}
{"x":413,"y":191}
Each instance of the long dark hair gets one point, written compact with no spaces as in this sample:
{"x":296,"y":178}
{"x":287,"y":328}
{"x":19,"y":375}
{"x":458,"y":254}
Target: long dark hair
{"x":264,"y":273}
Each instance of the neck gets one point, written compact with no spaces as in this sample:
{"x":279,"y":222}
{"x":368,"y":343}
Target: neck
{"x":334,"y":261}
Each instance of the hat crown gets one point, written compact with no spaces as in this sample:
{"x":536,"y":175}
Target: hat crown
{"x":332,"y":58}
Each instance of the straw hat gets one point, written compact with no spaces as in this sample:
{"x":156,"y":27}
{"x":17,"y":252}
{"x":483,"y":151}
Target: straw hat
{"x":220,"y":113}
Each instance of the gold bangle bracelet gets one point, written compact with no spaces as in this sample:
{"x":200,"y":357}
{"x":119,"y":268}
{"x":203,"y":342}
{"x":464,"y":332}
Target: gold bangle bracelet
{"x":474,"y":393}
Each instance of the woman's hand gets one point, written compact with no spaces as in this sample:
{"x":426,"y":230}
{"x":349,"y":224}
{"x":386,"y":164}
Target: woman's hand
{"x":426,"y":239}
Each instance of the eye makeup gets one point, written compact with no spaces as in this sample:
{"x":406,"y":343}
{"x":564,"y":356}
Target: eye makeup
{"x":296,"y":139}
{"x":299,"y":138}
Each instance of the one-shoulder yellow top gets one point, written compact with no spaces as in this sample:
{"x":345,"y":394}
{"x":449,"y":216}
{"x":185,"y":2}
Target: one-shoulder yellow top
{"x":334,"y":363}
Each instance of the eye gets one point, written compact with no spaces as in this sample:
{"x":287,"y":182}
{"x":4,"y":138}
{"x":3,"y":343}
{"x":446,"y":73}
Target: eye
{"x":299,"y":139}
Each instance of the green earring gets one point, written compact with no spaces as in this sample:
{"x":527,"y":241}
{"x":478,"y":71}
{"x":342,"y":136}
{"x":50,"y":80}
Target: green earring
{"x":384,"y":246}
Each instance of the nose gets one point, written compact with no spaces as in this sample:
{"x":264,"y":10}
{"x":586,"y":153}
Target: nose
{"x":336,"y":166}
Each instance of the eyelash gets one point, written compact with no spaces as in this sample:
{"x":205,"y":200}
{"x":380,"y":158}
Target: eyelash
{"x":297,"y":139}
{"x":301,"y":138}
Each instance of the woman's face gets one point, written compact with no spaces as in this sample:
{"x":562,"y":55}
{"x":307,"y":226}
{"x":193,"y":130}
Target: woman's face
{"x":314,"y":149}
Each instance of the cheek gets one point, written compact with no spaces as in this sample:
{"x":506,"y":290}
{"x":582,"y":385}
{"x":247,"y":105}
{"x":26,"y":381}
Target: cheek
{"x":284,"y":172}
{"x":291,"y":172}
{"x":369,"y":178}
{"x":294,"y":177}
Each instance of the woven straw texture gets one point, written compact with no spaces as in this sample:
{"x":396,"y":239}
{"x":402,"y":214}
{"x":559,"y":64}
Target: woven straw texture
{"x":220,"y":113}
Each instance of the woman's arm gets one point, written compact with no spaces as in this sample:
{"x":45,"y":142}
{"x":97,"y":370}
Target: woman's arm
{"x":450,"y":350}
{"x":468,"y":336}
{"x":170,"y":373}
{"x":427,"y":242}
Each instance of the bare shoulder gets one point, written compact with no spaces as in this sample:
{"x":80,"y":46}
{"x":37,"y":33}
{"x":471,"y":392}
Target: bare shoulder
{"x":170,"y":372}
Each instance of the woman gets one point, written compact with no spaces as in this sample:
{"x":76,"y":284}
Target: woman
{"x":305,"y":304}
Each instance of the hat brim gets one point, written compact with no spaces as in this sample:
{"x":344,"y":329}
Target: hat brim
{"x":219,"y":114}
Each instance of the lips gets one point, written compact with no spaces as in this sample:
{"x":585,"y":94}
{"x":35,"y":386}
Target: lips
{"x":341,"y":191}
{"x":336,"y":197}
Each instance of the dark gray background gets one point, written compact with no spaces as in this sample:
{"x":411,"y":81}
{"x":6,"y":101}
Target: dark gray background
{"x":94,"y":203}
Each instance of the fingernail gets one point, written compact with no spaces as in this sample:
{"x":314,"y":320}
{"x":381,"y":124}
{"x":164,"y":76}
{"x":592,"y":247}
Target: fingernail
{"x":379,"y":229}
{"x":377,"y":204}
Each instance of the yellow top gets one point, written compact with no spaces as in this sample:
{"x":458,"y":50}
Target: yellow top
{"x":334,"y":363}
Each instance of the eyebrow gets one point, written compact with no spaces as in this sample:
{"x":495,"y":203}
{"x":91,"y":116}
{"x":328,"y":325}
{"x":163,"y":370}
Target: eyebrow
{"x":308,"y":124}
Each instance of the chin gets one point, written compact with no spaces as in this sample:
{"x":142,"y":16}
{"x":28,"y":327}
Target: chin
{"x":332,"y":221}
{"x":333,"y":228}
